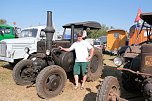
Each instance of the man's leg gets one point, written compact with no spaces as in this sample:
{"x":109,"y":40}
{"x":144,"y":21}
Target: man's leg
{"x":84,"y":73}
{"x":76,"y":72}
{"x":76,"y":77}
{"x":84,"y":80}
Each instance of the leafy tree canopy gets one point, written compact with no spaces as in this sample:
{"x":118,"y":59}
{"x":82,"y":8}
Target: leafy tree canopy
{"x":2,"y":21}
{"x":97,"y":33}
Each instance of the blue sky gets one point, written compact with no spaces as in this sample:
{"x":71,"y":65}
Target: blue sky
{"x":117,"y":13}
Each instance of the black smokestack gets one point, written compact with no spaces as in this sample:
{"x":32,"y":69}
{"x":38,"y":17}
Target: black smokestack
{"x":49,"y":30}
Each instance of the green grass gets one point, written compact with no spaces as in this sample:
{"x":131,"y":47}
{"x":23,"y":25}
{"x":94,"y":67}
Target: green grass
{"x":3,"y":63}
{"x":5,"y":74}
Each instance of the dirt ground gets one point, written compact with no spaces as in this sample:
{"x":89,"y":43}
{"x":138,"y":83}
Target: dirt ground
{"x":12,"y":92}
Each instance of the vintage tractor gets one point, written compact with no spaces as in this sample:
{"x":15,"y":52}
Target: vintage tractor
{"x":137,"y":71}
{"x":49,"y":66}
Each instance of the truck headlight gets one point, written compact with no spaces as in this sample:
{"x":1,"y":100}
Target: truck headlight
{"x":26,"y":50}
{"x":118,"y":61}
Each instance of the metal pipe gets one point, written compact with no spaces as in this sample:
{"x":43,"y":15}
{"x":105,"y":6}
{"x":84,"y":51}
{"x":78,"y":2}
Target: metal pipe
{"x":49,"y":30}
{"x":72,"y":33}
{"x":138,"y":73}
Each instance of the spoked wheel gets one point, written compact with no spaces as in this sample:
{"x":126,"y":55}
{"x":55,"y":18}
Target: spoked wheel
{"x":50,"y":81}
{"x":95,"y":67}
{"x":109,"y":90}
{"x":23,"y":73}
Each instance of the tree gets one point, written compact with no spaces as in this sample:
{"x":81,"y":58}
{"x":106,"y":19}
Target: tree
{"x":2,"y":21}
{"x":97,"y":33}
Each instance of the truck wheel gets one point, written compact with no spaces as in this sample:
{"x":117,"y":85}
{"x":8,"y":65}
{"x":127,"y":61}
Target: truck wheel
{"x":109,"y":90}
{"x":50,"y":81}
{"x":23,"y":72}
{"x":95,"y":67}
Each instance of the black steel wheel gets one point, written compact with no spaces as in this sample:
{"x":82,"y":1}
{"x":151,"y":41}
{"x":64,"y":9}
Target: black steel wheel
{"x":96,"y":66}
{"x":50,"y":81}
{"x":23,"y":73}
{"x":109,"y":90}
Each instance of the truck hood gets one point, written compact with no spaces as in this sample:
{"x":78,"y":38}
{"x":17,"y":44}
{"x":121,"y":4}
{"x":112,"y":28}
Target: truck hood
{"x":26,"y":40}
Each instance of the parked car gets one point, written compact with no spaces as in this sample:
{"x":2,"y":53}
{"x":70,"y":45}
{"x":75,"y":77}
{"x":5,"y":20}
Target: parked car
{"x":97,"y":44}
{"x":100,"y":45}
{"x":103,"y":40}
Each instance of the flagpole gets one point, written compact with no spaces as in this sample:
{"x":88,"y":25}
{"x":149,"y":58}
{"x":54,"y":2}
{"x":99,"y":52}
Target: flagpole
{"x":137,"y":21}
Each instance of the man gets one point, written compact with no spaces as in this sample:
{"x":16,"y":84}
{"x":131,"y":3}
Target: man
{"x":84,"y":36}
{"x":81,"y":48}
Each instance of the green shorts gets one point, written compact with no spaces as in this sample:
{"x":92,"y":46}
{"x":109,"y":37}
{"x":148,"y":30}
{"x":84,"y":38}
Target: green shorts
{"x":80,"y":67}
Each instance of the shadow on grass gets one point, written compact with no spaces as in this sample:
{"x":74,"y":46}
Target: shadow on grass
{"x":91,"y":96}
{"x":111,"y":71}
{"x":7,"y":66}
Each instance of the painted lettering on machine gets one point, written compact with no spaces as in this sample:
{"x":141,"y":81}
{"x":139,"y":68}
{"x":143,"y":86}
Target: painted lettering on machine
{"x":148,"y":60}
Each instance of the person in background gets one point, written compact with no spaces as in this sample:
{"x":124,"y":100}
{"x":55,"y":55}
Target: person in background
{"x":84,"y":36}
{"x":83,"y":57}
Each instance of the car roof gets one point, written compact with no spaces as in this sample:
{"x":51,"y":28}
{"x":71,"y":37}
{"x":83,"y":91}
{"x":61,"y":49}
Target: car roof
{"x":37,"y":27}
{"x":86,"y":24}
{"x":147,"y":17}
{"x":5,"y":25}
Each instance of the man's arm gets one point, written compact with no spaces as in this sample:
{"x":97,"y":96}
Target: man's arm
{"x":91,"y":54}
{"x":64,"y":49}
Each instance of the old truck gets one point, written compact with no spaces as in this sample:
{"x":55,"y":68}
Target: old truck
{"x":137,"y":70}
{"x":7,"y":32}
{"x":12,"y":50}
{"x":49,"y":66}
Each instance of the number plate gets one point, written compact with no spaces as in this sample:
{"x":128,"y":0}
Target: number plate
{"x":148,"y":60}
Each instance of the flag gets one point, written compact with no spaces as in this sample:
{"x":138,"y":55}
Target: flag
{"x":137,"y":19}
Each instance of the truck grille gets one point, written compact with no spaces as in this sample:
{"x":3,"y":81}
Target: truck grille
{"x":3,"y":49}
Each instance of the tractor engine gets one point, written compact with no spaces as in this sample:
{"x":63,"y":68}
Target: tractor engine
{"x":64,"y":59}
{"x":56,"y":57}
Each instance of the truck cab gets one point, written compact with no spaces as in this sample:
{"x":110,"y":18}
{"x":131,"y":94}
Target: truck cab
{"x":7,"y":32}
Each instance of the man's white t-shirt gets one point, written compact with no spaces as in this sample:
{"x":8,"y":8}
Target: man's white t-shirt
{"x":81,"y":49}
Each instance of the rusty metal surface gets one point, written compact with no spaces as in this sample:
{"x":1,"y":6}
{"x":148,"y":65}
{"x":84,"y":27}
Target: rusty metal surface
{"x":146,"y":59}
{"x":138,"y":73}
{"x":65,"y":44}
{"x":132,"y":51}
{"x":146,"y":48}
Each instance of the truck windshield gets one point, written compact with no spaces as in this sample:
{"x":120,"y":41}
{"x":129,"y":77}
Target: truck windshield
{"x":28,"y":33}
{"x":5,"y":30}
{"x":96,"y":43}
{"x":67,"y":33}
